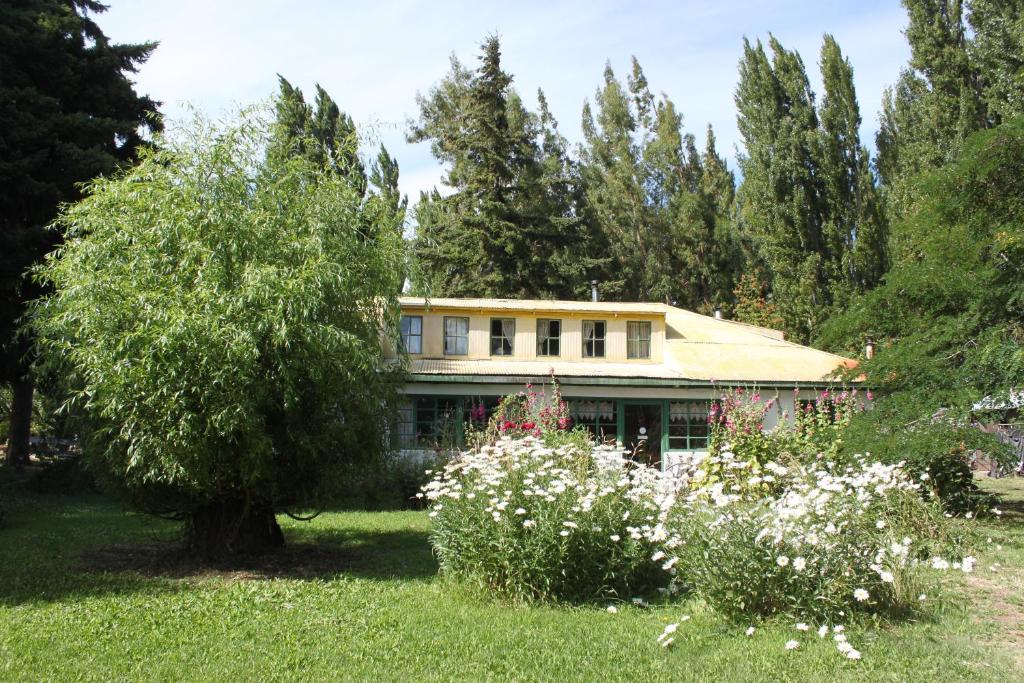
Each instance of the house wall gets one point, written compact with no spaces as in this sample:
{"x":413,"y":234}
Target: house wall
{"x":525,"y":346}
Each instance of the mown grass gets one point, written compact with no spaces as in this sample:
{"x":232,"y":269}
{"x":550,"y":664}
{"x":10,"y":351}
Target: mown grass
{"x":365,"y":603}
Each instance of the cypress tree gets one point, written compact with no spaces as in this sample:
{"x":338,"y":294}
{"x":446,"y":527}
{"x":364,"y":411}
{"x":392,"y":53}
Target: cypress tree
{"x":781,"y":193}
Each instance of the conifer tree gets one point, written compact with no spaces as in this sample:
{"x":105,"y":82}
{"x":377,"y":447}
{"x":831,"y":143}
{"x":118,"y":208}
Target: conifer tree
{"x":495,"y":234}
{"x":68,"y":113}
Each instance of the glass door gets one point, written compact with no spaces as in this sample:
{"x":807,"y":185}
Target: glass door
{"x":642,"y":437}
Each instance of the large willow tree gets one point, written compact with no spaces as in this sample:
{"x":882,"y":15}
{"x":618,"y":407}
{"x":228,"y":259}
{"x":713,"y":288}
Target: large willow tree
{"x":219,"y":310}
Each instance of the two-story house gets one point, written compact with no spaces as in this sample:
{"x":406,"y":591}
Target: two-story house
{"x":643,"y":374}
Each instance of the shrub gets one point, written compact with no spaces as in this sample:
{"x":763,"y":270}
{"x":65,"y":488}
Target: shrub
{"x":532,"y":522}
{"x":940,"y":450}
{"x":737,"y":423}
{"x":830,"y":543}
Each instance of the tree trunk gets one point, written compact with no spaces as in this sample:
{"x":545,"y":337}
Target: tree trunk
{"x":232,"y":527}
{"x":22,"y":390}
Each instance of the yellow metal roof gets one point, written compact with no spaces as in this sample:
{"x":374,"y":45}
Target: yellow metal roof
{"x":697,"y":348}
{"x":527,"y":305}
{"x":702,"y":347}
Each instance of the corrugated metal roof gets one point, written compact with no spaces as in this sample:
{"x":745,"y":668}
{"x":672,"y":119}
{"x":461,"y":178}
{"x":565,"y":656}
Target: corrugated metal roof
{"x":701,"y":347}
{"x":697,"y":347}
{"x":535,"y":305}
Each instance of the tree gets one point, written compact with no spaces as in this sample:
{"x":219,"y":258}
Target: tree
{"x":218,"y":310}
{"x":507,"y":228}
{"x":660,"y":221}
{"x":808,"y":202}
{"x":855,"y":231}
{"x":68,"y":113}
{"x":997,"y":51}
{"x":966,"y":73}
{"x":781,"y":194}
{"x":323,"y":133}
{"x":948,"y":316}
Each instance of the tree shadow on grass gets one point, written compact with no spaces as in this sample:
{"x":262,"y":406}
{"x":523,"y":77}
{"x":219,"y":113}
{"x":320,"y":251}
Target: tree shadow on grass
{"x":68,"y":548}
{"x":380,"y":555}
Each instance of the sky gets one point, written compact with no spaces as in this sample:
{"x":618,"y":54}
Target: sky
{"x":374,"y":57}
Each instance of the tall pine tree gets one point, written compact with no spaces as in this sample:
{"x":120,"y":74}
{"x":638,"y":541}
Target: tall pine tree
{"x":507,"y":229}
{"x":68,"y":113}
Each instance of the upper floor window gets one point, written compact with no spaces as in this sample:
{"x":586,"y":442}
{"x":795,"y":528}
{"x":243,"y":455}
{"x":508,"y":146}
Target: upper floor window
{"x":411,"y":328}
{"x":456,"y":336}
{"x":549,"y":337}
{"x":503,"y":334}
{"x":638,"y":339}
{"x":594,"y":332}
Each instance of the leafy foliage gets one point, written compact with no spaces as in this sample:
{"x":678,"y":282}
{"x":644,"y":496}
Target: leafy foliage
{"x":219,"y":310}
{"x":662,"y":208}
{"x":947,"y":318}
{"x":808,"y":198}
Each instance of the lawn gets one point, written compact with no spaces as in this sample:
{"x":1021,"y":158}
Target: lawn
{"x":87,"y":593}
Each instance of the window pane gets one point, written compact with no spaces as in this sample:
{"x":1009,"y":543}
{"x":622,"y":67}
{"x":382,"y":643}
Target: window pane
{"x":456,"y":336}
{"x":593,"y":338}
{"x":638,"y":339}
{"x":503,"y":333}
{"x":548,"y":333}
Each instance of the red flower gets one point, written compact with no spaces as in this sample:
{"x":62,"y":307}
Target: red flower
{"x":528,"y":425}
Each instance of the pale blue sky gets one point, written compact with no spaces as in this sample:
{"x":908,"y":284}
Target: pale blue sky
{"x":373,"y":57}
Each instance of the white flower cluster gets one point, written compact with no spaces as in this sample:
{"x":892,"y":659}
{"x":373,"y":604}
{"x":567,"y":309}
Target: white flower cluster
{"x":520,"y":511}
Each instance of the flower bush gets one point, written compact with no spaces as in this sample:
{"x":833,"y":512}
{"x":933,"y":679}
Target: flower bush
{"x":530,"y":521}
{"x":820,"y":542}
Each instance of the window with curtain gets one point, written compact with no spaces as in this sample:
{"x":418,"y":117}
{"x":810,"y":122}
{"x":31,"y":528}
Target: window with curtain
{"x":503,"y":334}
{"x":638,"y":339}
{"x":688,"y":425}
{"x":411,"y":328}
{"x":456,"y":336}
{"x":593,"y":338}
{"x":549,"y":337}
{"x":597,"y":417}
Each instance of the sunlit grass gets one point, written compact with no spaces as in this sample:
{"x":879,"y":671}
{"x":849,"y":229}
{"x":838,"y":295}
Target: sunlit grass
{"x":375,"y":609}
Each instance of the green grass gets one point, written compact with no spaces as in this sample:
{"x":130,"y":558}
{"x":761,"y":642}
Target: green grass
{"x":367,"y":604}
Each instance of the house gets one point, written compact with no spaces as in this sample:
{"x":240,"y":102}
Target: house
{"x":643,"y":374}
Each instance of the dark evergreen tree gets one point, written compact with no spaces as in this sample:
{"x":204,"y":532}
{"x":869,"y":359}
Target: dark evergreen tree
{"x":68,"y":113}
{"x":508,"y":227}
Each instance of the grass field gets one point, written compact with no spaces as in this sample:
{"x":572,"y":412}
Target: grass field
{"x":87,"y":592}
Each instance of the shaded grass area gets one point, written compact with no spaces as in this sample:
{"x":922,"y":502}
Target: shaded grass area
{"x":91,"y":591}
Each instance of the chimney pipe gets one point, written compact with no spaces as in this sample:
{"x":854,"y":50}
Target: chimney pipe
{"x":869,"y":349}
{"x":593,"y":290}
{"x":718,"y":313}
